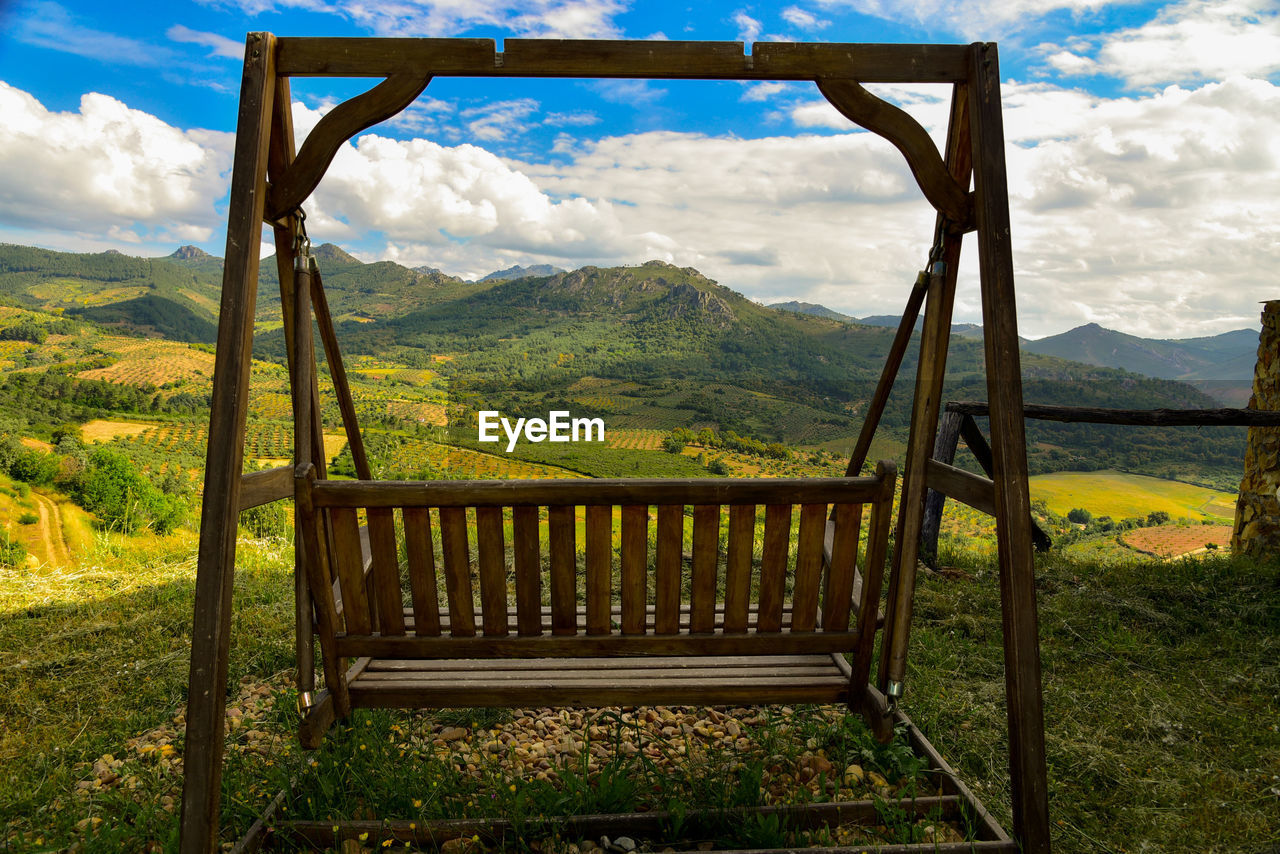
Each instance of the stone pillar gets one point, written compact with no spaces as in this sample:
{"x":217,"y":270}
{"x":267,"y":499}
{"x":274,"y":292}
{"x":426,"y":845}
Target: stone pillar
{"x":1257,"y":527}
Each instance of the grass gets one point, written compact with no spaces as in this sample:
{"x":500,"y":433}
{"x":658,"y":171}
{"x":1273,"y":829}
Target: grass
{"x":1161,"y":683}
{"x":1124,"y":496}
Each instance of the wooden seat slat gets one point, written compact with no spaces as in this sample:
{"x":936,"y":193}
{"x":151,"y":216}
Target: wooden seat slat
{"x":564,"y":583}
{"x":615,"y":618}
{"x":599,"y":559}
{"x":670,"y":537}
{"x":839,"y":595}
{"x":528,"y":568}
{"x":706,"y":548}
{"x":491,"y":557}
{"x":808,"y":574}
{"x":349,"y":558}
{"x":421,"y":561}
{"x":671,"y":662}
{"x":635,"y":548}
{"x":385,"y":570}
{"x":773,"y":566}
{"x":457,"y":571}
{"x":737,"y":571}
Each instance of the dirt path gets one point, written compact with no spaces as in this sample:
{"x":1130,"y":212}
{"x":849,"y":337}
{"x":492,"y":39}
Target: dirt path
{"x":55,"y":547}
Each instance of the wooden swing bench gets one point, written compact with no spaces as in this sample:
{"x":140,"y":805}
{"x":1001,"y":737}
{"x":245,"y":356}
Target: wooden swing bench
{"x":520,"y":623}
{"x":542,"y":632}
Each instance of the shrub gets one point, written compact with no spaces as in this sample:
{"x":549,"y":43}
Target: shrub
{"x":28,"y":519}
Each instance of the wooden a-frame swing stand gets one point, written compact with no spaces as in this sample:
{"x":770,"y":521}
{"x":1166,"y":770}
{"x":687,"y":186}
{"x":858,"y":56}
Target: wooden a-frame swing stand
{"x":741,"y":629}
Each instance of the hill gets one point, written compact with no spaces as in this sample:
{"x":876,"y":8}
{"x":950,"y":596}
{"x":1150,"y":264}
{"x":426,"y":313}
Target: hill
{"x":518,"y":272}
{"x":1221,"y":365}
{"x":648,"y":347}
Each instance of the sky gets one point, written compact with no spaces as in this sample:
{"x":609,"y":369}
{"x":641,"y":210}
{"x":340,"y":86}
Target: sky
{"x":1142,"y":146}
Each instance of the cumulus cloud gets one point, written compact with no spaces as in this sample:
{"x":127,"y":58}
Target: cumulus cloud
{"x":1186,"y":42}
{"x":108,"y":167}
{"x":566,"y":19}
{"x":748,"y":27}
{"x":971,"y":18}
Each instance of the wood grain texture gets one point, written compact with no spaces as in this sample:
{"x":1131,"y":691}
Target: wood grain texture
{"x":905,"y":134}
{"x":333,"y":130}
{"x":706,"y":552}
{"x":379,"y":57}
{"x":263,"y":487}
{"x":974,"y":490}
{"x":528,"y":566}
{"x":872,"y":578}
{"x":737,"y":570}
{"x":1023,"y":697}
{"x":338,"y":372}
{"x":670,"y":546}
{"x":421,"y":560}
{"x":492,"y":562}
{"x":457,"y":571}
{"x":773,"y":566}
{"x":587,"y":491}
{"x":215,"y":565}
{"x":808,"y":572}
{"x":564,"y":570}
{"x":599,"y":557}
{"x":635,"y":547}
{"x":838,"y":596}
{"x":386,"y":571}
{"x":349,"y":560}
{"x":765,"y":644}
{"x":1133,"y":417}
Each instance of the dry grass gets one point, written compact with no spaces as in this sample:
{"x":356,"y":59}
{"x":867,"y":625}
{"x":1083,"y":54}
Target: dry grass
{"x":101,"y":430}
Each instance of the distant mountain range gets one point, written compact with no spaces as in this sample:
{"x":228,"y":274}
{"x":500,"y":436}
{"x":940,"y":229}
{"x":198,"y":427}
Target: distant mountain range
{"x":1220,"y":365}
{"x":650,"y":346}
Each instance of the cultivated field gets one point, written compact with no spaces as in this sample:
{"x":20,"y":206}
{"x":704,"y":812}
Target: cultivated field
{"x":1175,"y":540}
{"x":1126,"y":496}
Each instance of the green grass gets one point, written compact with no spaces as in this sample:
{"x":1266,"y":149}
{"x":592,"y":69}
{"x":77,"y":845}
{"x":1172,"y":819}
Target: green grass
{"x":1162,"y":698}
{"x":1161,"y":683}
{"x":1125,"y":496}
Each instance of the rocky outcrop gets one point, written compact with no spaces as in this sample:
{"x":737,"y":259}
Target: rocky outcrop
{"x":1257,"y":525}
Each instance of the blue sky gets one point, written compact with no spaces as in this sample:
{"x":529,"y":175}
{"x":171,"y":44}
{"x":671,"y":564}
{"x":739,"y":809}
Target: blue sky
{"x":1143,"y":142}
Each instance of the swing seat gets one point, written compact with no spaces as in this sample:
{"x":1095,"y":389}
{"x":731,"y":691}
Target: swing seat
{"x":412,"y":614}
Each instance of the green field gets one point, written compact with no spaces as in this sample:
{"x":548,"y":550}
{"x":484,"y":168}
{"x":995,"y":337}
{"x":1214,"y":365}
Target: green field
{"x":1126,"y":496}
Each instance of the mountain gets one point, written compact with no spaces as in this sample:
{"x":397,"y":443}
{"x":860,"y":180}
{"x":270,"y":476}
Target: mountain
{"x":518,"y":272}
{"x":175,"y":297}
{"x":1221,"y":365}
{"x":191,"y":253}
{"x":813,"y":309}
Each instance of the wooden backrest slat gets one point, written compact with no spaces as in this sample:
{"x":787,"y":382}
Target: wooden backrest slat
{"x":492,"y":562}
{"x":737,"y":570}
{"x":350,"y":567}
{"x":528,"y":561}
{"x":773,"y":566}
{"x":457,"y":571}
{"x":804,"y":596}
{"x":599,"y":568}
{"x":670,"y":546}
{"x":386,"y":570}
{"x":564,"y":582}
{"x":838,"y":596}
{"x":706,"y":549}
{"x":421,"y":559}
{"x":635,"y":556}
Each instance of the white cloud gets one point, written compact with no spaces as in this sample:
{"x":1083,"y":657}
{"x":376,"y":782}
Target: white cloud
{"x":748,"y":27}
{"x":631,"y":92}
{"x":499,"y":120}
{"x":805,"y":20}
{"x":49,"y":25}
{"x":218,"y":45}
{"x":1196,"y":40}
{"x":971,"y":18}
{"x":107,"y":167}
{"x":567,"y":19}
{"x":765,"y":90}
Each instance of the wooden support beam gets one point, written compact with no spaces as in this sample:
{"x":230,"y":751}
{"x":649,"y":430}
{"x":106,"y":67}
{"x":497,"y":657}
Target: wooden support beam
{"x":263,"y":487}
{"x":944,"y":451}
{"x":594,"y":491}
{"x":897,"y":126}
{"x":215,"y":567}
{"x":1133,"y":417}
{"x":1023,"y":699}
{"x":382,"y":57}
{"x":965,"y":487}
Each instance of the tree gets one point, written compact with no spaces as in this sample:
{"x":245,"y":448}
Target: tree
{"x":1079,"y":516}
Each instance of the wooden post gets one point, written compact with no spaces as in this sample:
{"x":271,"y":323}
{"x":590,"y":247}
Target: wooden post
{"x":934,"y":340}
{"x":944,"y":451}
{"x":1009,"y":457}
{"x":215,"y":567}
